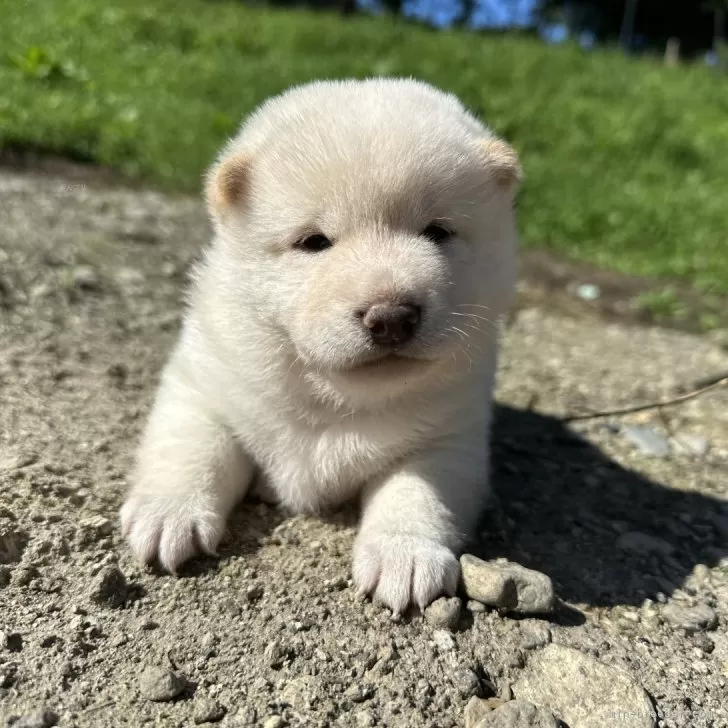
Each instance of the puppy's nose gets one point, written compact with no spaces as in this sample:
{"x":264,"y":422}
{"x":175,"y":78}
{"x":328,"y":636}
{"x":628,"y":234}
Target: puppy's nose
{"x":391,"y":324}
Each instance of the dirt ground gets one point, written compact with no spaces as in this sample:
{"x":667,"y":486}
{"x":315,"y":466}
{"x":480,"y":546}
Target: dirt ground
{"x":271,"y":634}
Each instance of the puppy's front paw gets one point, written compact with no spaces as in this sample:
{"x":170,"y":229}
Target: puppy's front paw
{"x":399,"y":569}
{"x":171,"y":528}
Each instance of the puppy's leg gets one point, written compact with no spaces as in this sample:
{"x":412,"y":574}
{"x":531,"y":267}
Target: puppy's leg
{"x":414,"y":522}
{"x":190,"y":472}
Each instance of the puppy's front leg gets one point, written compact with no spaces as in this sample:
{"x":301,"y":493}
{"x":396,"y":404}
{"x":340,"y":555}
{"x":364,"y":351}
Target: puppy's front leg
{"x":190,"y":472}
{"x":415,"y":520}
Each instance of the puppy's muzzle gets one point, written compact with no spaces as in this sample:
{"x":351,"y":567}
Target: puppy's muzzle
{"x":391,"y":324}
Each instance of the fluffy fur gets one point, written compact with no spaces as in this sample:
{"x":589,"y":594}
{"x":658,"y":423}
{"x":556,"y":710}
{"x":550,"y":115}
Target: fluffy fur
{"x":274,"y":374}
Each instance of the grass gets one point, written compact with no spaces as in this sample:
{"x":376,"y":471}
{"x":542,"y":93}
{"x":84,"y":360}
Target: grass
{"x":626,"y":161}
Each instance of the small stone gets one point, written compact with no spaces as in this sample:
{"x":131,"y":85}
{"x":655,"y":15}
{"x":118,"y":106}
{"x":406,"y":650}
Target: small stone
{"x":518,"y":714}
{"x":110,"y":587}
{"x":275,"y":721}
{"x":583,"y":692}
{"x":507,"y":585}
{"x":443,"y":640}
{"x":254,"y":592}
{"x":466,"y":682}
{"x":85,"y":278}
{"x":41,"y":719}
{"x":444,"y":613}
{"x":487,"y":584}
{"x":476,"y":709}
{"x":647,"y":441}
{"x":364,"y":719}
{"x":12,"y":641}
{"x":475,"y":607}
{"x":160,"y":685}
{"x":12,"y":543}
{"x":277,"y":654}
{"x":691,"y":619}
{"x":588,"y":292}
{"x":638,"y":542}
{"x":534,"y":636}
{"x":208,"y":711}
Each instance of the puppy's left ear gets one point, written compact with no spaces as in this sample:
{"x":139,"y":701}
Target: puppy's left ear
{"x":227,"y":184}
{"x":502,"y":163}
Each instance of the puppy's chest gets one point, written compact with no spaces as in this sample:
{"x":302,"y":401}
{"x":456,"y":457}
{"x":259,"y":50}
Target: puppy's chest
{"x":311,"y":467}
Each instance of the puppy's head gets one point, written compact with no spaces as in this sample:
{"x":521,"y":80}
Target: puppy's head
{"x":370,"y":224}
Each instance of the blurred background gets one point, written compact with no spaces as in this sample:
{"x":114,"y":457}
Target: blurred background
{"x":618,"y":108}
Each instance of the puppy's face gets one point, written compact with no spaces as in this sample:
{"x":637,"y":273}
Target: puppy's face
{"x":370,"y":223}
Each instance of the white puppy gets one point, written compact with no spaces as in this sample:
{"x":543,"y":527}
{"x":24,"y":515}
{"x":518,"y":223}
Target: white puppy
{"x":341,"y":337}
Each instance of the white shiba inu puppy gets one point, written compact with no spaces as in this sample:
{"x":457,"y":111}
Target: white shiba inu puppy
{"x":341,"y":337}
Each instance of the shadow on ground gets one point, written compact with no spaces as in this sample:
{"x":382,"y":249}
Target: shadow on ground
{"x":561,"y":506}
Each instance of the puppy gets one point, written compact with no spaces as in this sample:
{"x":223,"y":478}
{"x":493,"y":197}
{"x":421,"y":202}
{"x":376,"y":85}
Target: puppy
{"x":341,"y":335}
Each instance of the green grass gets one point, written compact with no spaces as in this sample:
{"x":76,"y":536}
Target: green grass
{"x":626,"y":161}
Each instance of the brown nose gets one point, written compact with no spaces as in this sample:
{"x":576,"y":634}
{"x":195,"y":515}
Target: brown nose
{"x":391,"y":324}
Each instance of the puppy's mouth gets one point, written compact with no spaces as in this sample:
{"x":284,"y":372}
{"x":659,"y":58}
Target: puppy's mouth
{"x":390,"y":363}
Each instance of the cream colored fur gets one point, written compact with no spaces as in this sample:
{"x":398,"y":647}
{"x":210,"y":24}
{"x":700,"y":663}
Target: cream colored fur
{"x":274,"y":373}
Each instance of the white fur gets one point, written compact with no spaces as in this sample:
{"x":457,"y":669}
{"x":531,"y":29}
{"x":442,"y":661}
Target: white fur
{"x":274,"y":372}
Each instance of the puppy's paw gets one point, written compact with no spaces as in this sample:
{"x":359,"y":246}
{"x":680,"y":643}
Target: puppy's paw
{"x":171,"y":528}
{"x":400,"y":569}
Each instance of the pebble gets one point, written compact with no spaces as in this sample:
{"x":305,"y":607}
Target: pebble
{"x":691,"y":619}
{"x":444,"y":613}
{"x":588,"y":291}
{"x":41,"y":719}
{"x":443,"y":640}
{"x":160,"y":685}
{"x":486,"y":584}
{"x":477,"y":708}
{"x":466,"y":682}
{"x":507,"y":585}
{"x":534,"y":636}
{"x":110,"y":587}
{"x":638,"y":542}
{"x":208,"y":711}
{"x":584,"y":692}
{"x":518,"y":714}
{"x":275,"y":721}
{"x":85,"y":278}
{"x":647,"y":441}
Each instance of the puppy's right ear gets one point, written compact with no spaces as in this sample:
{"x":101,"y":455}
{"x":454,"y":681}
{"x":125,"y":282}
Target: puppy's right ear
{"x":227,"y":184}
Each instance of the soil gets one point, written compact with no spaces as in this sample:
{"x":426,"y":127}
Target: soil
{"x":91,"y":282}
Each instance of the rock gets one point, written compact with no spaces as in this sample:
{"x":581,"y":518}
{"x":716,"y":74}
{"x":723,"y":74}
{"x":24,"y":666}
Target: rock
{"x":588,"y":292}
{"x":208,"y":711}
{"x":443,"y":640}
{"x":12,"y":543}
{"x":11,"y":641}
{"x":583,"y":692}
{"x":691,"y":619}
{"x":518,"y":714}
{"x":534,"y":636}
{"x":85,"y":278}
{"x":507,"y":585}
{"x":254,"y":592}
{"x":275,"y":721}
{"x":639,"y":542}
{"x":277,"y":654}
{"x":110,"y":587}
{"x":647,"y":440}
{"x":444,"y":612}
{"x":466,"y":682}
{"x":160,"y":685}
{"x":477,"y":708}
{"x":41,"y":719}
{"x":486,"y":584}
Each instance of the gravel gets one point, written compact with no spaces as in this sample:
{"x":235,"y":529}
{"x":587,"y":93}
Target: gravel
{"x":272,"y":630}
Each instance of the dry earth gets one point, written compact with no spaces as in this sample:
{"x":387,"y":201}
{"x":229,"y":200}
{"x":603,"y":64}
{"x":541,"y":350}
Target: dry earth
{"x":271,"y":634}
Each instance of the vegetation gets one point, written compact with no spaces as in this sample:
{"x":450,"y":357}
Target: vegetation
{"x":626,"y":161}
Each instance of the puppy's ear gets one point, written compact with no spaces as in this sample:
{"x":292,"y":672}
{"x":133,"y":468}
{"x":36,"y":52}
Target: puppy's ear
{"x":227,"y":184}
{"x":502,"y":162}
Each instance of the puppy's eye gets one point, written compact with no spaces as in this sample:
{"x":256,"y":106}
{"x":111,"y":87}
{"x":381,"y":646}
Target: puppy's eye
{"x":314,"y":243}
{"x":437,"y":233}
